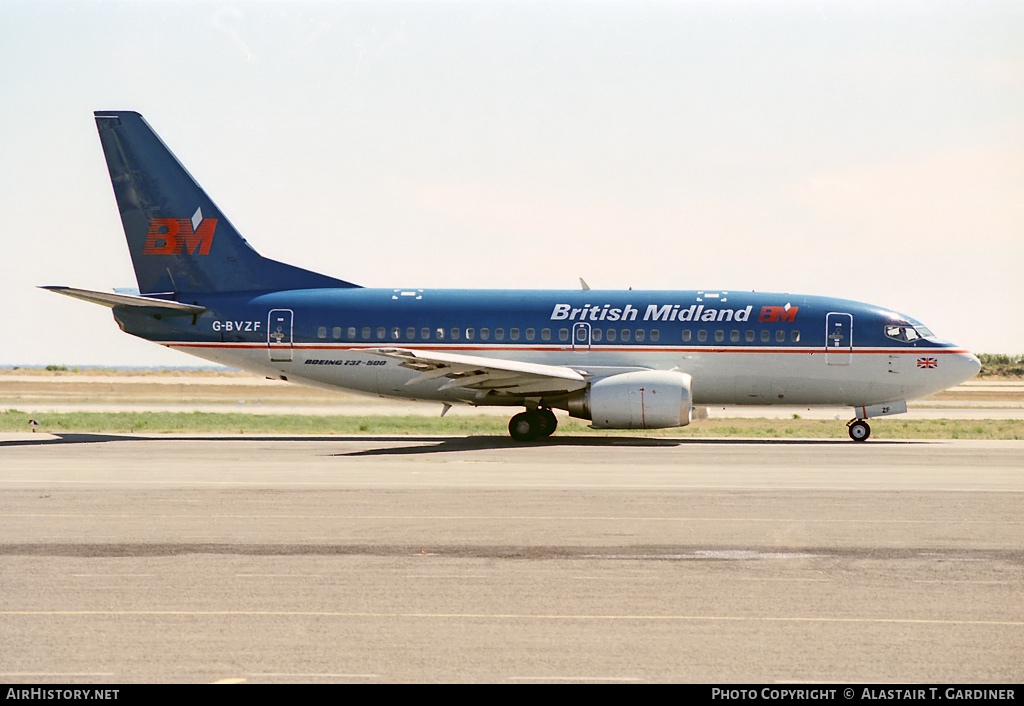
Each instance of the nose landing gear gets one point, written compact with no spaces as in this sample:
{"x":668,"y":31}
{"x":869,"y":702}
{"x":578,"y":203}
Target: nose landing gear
{"x":532,"y":424}
{"x":859,"y":429}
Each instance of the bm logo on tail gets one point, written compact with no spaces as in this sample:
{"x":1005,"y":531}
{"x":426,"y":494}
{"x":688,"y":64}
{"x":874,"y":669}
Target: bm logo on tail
{"x":167,"y":236}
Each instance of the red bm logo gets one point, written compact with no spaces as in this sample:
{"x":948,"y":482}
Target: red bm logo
{"x":778,"y":313}
{"x":167,"y":236}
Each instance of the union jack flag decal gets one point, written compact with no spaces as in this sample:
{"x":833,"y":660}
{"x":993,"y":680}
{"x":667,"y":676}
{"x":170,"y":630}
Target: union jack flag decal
{"x":927,"y":362}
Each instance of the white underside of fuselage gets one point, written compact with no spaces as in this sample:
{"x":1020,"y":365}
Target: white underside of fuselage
{"x":734,"y":376}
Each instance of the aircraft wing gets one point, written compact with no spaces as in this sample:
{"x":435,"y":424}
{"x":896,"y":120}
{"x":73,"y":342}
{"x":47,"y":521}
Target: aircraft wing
{"x":483,"y":375}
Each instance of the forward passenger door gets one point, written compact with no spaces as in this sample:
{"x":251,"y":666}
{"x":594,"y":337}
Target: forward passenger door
{"x":838,"y":338}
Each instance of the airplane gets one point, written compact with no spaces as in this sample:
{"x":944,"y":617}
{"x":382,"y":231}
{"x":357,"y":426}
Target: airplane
{"x":621,"y":359}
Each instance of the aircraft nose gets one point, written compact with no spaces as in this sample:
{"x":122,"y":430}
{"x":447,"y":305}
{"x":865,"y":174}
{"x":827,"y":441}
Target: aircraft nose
{"x":974,"y":363}
{"x":967,"y":366}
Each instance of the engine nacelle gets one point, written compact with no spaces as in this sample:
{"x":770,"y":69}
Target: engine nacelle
{"x":648,"y":399}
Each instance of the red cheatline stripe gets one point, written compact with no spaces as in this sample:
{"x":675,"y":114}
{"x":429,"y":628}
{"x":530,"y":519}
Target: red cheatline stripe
{"x":601,"y":349}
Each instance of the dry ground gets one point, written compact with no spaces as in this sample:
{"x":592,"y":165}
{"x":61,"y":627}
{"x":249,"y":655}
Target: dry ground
{"x":171,"y":386}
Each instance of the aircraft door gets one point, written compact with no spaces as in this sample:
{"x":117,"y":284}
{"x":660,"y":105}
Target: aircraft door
{"x":581,"y":337}
{"x":838,"y":338}
{"x":279,"y":335}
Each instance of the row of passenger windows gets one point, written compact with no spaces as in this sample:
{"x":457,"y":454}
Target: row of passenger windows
{"x":381,"y":333}
{"x":748,"y":336}
{"x":610,"y":335}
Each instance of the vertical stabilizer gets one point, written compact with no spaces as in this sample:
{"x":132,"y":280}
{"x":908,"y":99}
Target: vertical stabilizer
{"x":179,"y":240}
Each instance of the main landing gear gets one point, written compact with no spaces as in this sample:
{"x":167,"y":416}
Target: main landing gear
{"x":532,"y":424}
{"x":859,"y":429}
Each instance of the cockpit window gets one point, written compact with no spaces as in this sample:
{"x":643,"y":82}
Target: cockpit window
{"x":905,"y":331}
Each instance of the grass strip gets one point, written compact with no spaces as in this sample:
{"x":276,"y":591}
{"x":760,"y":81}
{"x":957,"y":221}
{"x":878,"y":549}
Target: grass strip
{"x":237,"y":423}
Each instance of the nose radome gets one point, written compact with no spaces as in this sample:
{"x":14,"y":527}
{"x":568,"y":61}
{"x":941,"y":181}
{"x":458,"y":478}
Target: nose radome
{"x":967,"y":366}
{"x":974,"y":363}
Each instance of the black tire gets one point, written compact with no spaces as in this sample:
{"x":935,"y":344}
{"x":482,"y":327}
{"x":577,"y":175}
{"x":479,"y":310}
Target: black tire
{"x":525,"y":426}
{"x":859,"y":430}
{"x":549,"y":422}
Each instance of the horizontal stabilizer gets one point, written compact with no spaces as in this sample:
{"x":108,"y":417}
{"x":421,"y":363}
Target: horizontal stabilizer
{"x":112,"y":300}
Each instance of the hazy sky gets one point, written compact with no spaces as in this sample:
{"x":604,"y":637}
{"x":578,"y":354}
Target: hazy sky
{"x":866,"y":150}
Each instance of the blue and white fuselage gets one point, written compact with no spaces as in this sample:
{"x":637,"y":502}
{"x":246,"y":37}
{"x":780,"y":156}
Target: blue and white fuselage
{"x":737,"y":347}
{"x":624,"y":359}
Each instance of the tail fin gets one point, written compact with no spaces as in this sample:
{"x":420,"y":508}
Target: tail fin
{"x":178,"y":238}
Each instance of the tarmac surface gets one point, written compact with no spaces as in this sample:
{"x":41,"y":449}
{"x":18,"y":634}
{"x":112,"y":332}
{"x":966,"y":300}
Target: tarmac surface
{"x":125,"y":558}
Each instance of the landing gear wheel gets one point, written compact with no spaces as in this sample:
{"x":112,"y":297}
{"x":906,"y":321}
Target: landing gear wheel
{"x":532,"y":424}
{"x":525,"y":426}
{"x":549,"y":422}
{"x":859,"y":430}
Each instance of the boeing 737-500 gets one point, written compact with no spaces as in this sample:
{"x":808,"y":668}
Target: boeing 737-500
{"x":621,"y":359}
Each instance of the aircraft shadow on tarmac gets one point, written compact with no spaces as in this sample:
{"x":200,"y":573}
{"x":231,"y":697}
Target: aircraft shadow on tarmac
{"x":483,"y":443}
{"x":441,"y":444}
{"x":51,"y":439}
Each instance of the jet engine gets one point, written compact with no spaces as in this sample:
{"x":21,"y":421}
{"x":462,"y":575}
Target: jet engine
{"x":647,"y":399}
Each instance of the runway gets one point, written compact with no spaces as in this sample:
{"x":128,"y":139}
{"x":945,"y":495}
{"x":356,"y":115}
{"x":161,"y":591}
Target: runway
{"x":579,"y":559}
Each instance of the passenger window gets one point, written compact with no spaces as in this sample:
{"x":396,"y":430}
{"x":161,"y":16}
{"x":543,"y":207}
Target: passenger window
{"x":455,"y":334}
{"x":336,"y":332}
{"x":440,"y":334}
{"x":485,"y":334}
{"x":425,"y":333}
{"x":624,"y":337}
{"x":780,"y":336}
{"x":655,"y":336}
{"x":687,"y":335}
{"x":766,"y":336}
{"x":396,"y":333}
{"x":749,"y":336}
{"x":639,"y":335}
{"x":563,"y":334}
{"x":702,"y":336}
{"x":410,"y":333}
{"x":719,"y":336}
{"x":795,"y":336}
{"x":530,"y":334}
{"x":470,"y":333}
{"x":351,"y":333}
{"x":321,"y":332}
{"x":545,"y":334}
{"x":734,"y":336}
{"x":610,"y":335}
{"x":381,"y":333}
{"x":513,"y":334}
{"x":499,"y":334}
{"x":366,"y":333}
